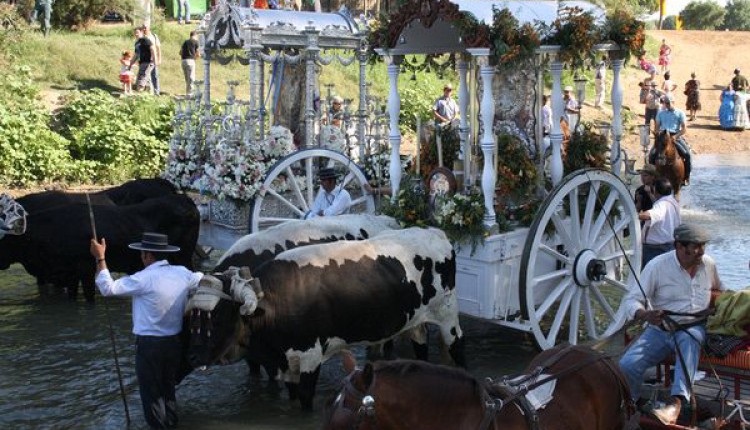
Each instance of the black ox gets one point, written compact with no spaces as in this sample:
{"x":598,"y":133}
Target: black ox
{"x":306,"y":304}
{"x":55,"y":245}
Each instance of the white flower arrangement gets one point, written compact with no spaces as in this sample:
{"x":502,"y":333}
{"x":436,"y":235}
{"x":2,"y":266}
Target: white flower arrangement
{"x":235,"y":170}
{"x":183,"y":164}
{"x":458,"y":211}
{"x":333,"y":138}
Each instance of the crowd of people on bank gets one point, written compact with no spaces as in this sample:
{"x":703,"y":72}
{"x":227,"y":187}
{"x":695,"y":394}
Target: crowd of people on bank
{"x":733,"y":112}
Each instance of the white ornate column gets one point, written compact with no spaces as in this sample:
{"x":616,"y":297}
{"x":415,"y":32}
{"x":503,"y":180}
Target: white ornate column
{"x":615,"y":159}
{"x":463,"y":106}
{"x":488,"y":141}
{"x":252,"y":48}
{"x":311,"y":54}
{"x":262,"y":99}
{"x":558,"y":109}
{"x":362,"y":113}
{"x":394,"y":109}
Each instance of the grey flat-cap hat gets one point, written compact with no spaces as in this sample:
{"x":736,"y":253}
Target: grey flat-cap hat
{"x":154,"y":242}
{"x":691,"y":233}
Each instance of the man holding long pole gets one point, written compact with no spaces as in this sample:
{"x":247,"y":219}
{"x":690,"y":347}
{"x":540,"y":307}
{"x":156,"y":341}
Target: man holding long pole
{"x":159,"y":294}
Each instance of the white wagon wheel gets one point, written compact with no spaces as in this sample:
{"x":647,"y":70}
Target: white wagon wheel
{"x":574,"y":266}
{"x":291,"y":185}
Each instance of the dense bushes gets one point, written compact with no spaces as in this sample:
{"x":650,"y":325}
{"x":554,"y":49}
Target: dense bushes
{"x":93,"y":138}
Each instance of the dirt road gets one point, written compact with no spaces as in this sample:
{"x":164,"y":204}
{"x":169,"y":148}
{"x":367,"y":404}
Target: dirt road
{"x":713,"y":56}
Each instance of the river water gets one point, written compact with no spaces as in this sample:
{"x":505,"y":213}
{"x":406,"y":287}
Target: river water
{"x":57,"y":369}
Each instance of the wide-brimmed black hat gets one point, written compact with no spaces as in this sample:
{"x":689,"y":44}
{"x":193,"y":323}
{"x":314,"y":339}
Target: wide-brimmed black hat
{"x":154,"y":242}
{"x":328,"y":173}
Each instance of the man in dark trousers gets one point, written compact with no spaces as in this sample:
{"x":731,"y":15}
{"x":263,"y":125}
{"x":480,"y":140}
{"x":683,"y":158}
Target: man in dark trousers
{"x":43,"y":7}
{"x":160,"y":294}
{"x":189,"y":52}
{"x":145,"y":56}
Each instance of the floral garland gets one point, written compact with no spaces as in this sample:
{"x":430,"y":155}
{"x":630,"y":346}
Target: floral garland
{"x":237,"y":171}
{"x":333,"y":138}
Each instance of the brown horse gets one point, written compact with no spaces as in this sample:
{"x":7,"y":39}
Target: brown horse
{"x":590,"y":394}
{"x":668,"y":161}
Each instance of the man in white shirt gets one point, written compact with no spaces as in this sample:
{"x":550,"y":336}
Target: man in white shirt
{"x":661,"y":220}
{"x":331,"y":199}
{"x":160,"y":294}
{"x":672,"y":285}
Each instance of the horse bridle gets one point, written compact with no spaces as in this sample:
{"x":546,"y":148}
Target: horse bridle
{"x":365,"y":400}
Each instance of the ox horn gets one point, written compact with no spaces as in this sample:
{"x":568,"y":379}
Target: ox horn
{"x":243,"y":292}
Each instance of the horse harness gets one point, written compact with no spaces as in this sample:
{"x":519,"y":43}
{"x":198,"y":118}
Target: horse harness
{"x":513,"y":391}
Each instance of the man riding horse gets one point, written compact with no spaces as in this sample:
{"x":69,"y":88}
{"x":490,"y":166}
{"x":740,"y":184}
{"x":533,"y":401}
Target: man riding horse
{"x":672,"y":120}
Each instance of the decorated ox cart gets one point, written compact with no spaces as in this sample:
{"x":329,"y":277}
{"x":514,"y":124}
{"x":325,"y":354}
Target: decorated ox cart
{"x":562,"y":278}
{"x":237,"y":151}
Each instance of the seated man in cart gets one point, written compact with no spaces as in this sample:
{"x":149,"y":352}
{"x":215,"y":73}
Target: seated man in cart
{"x":673,"y":297}
{"x":331,"y":200}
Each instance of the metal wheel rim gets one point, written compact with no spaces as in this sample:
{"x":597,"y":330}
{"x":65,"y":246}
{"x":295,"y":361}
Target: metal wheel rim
{"x":551,"y":296}
{"x":299,"y":199}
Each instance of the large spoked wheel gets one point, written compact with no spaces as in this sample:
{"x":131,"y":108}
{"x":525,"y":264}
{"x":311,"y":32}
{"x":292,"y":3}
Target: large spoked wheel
{"x":290,"y":187}
{"x":577,"y":259}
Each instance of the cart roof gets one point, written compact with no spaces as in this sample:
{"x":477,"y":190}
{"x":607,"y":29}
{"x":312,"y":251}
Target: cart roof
{"x":226,"y":27}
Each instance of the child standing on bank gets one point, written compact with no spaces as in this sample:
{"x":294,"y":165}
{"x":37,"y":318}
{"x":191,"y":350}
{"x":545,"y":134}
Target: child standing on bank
{"x":126,"y":76}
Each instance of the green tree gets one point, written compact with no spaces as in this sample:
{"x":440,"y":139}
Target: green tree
{"x":737,"y":15}
{"x":702,"y":15}
{"x":632,"y":6}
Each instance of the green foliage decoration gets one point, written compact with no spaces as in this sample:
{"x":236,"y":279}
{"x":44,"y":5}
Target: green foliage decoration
{"x":623,"y":29}
{"x":576,"y":33}
{"x":511,"y":43}
{"x":586,"y":148}
{"x":515,"y":187}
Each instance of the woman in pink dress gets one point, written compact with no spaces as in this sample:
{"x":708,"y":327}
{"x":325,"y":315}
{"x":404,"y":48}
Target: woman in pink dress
{"x":665,"y":53}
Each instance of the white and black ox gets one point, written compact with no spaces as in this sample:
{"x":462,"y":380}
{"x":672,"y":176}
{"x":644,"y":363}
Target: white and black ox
{"x":52,"y":241}
{"x":254,"y":249}
{"x":297,"y":310}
